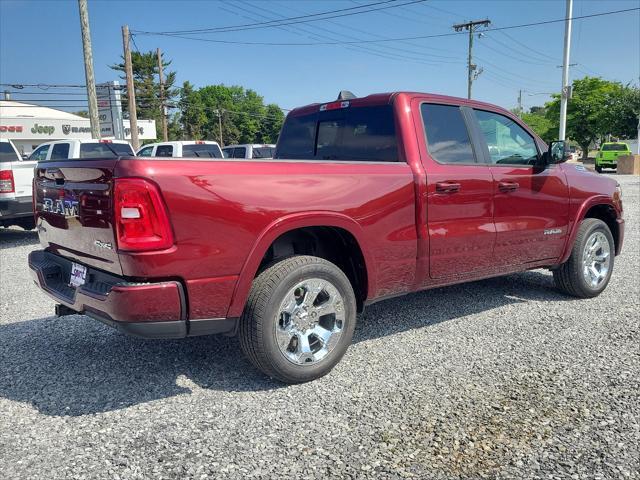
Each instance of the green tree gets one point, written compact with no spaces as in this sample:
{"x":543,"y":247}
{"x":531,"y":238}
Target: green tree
{"x":540,"y":124}
{"x":597,"y":108}
{"x":241,"y":114}
{"x":147,"y":86}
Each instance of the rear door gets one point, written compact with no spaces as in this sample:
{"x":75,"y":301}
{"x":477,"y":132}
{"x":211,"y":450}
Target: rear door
{"x":72,"y":200}
{"x":531,"y":202}
{"x":459,"y":194}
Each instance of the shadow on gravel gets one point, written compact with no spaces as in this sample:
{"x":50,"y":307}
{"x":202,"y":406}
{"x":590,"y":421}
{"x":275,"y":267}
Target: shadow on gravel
{"x":441,"y":304}
{"x":76,"y":366}
{"x":10,"y":238}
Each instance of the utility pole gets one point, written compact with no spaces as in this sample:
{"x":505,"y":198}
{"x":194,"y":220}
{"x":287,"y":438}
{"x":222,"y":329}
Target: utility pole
{"x":88,"y":69}
{"x":131,"y":90}
{"x":520,"y":102}
{"x":163,"y":108}
{"x":566,"y":90}
{"x":219,"y":113}
{"x":471,"y":27}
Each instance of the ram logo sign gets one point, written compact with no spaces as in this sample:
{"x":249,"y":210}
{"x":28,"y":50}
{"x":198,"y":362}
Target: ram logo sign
{"x":68,"y":208}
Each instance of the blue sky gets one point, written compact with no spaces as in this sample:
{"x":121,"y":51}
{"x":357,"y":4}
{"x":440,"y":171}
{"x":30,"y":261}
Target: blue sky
{"x":40,"y":43}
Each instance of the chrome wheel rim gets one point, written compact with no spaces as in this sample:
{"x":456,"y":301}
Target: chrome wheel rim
{"x":310,"y":321}
{"x":596,"y":259}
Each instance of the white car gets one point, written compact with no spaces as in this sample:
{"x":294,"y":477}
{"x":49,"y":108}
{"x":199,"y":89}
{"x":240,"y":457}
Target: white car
{"x":68,"y":149}
{"x":16,"y":179}
{"x":184,"y":148}
{"x":249,"y":150}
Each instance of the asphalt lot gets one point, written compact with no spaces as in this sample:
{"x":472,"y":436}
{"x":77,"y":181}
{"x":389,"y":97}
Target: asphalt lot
{"x":504,"y":378}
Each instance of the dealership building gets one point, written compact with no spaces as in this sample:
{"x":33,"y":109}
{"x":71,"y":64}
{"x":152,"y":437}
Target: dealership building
{"x":28,"y":126}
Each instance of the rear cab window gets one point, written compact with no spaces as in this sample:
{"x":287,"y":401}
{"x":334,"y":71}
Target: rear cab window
{"x":206,"y":150}
{"x":354,"y":133}
{"x":104,"y":150}
{"x":262,"y":152}
{"x":7,"y":153}
{"x":614,"y":147}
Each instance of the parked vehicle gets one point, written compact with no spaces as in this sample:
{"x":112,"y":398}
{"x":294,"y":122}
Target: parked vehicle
{"x":16,"y":177}
{"x":573,"y":155}
{"x":189,"y":148}
{"x":249,"y":151}
{"x":608,"y":155}
{"x":366,"y":198}
{"x":91,"y":148}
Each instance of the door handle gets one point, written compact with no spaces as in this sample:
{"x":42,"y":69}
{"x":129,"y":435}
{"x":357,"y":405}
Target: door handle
{"x":447,"y":187}
{"x":508,"y":186}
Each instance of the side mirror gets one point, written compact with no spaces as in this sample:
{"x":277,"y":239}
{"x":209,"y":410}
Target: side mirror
{"x":558,"y":152}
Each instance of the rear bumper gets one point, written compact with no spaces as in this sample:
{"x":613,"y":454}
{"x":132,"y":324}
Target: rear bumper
{"x":149,"y":310}
{"x":12,"y":208}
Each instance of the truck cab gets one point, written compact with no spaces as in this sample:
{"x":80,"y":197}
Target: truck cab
{"x":251,"y":150}
{"x":184,"y":148}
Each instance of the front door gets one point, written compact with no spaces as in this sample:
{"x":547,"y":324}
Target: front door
{"x":531,"y":202}
{"x":459,"y":195}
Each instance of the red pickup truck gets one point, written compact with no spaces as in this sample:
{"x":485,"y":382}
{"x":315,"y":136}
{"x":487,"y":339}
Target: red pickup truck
{"x":366,"y":198}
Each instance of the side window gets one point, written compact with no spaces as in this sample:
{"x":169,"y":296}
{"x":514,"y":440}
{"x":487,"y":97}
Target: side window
{"x":60,"y":151}
{"x":40,"y":153}
{"x":145,"y":152}
{"x":239,"y":152}
{"x":7,"y":154}
{"x":508,"y":142}
{"x":164,"y":151}
{"x":447,"y":136}
{"x":227,"y":152}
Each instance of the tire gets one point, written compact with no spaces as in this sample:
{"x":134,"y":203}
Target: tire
{"x":571,"y":277}
{"x":598,"y":169}
{"x":26,"y":223}
{"x":281,"y":305}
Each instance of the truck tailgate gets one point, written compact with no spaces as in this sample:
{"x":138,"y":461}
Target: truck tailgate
{"x":74,"y":211}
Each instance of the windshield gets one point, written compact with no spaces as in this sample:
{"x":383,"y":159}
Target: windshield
{"x":206,"y":150}
{"x":614,"y":147}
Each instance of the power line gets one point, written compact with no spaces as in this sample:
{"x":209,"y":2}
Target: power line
{"x":397,"y":39}
{"x":289,"y":20}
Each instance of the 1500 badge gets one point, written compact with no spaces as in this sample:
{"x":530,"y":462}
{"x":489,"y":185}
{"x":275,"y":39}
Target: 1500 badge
{"x":68,"y":208}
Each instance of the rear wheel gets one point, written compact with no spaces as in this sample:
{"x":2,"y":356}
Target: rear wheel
{"x":299,"y":319}
{"x":598,"y":169}
{"x":588,"y":270}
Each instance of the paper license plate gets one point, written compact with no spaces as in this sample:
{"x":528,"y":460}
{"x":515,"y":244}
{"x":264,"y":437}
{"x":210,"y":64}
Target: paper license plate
{"x":78,"y":275}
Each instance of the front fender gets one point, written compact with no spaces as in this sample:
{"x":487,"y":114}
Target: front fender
{"x":286,"y":224}
{"x":580,"y":215}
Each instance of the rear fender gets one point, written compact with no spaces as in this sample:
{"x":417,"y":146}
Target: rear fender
{"x":284,"y":225}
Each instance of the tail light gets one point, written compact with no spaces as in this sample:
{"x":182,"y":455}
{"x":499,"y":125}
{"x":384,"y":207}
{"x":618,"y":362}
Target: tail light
{"x":6,"y":182}
{"x":141,"y":217}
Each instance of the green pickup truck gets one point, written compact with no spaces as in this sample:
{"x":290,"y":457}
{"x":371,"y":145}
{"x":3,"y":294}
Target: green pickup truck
{"x":608,"y":154}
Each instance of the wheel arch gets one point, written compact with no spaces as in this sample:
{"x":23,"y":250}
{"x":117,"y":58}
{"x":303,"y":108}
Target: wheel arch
{"x":602,"y":208}
{"x":321,"y":224}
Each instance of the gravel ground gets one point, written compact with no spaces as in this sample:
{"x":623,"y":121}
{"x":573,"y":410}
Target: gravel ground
{"x":503,"y":378}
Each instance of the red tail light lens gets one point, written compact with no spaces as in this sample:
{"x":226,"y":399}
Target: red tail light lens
{"x":141,"y":217}
{"x":6,"y":182}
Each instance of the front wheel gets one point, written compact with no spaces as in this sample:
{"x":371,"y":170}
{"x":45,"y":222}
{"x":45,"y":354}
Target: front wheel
{"x":588,"y":270}
{"x":299,"y":319}
{"x":598,"y":169}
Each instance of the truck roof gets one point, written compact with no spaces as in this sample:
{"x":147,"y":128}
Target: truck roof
{"x":387,"y":98}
